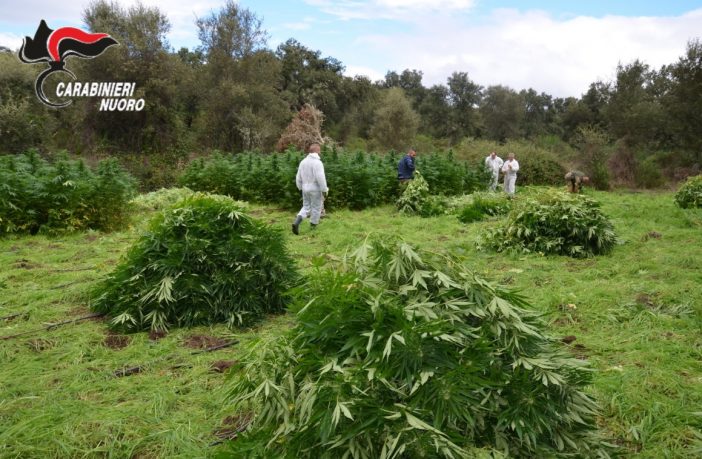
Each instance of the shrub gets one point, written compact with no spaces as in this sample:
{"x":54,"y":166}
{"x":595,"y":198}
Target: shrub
{"x":537,"y":165}
{"x":63,"y":195}
{"x":555,"y":223}
{"x":539,"y":168}
{"x":593,"y":144}
{"x":482,"y":205}
{"x":648,"y":174}
{"x":689,"y":195}
{"x":406,"y":354}
{"x":155,"y":170}
{"x":201,"y":261}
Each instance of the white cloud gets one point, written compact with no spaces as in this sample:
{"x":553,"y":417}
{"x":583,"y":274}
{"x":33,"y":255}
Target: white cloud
{"x":358,"y":70}
{"x":11,"y":41}
{"x":387,"y":9}
{"x":534,"y":49}
{"x":305,"y":24}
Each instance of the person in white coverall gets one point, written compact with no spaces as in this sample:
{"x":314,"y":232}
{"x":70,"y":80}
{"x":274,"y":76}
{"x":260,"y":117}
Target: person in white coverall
{"x":494,"y":163}
{"x":312,"y":182}
{"x":510,"y":168}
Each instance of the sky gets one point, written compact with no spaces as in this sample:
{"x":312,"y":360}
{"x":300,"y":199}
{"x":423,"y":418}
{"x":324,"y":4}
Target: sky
{"x":553,"y":46}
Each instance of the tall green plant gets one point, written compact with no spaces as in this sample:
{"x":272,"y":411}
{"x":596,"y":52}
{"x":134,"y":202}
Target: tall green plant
{"x":38,"y":195}
{"x":356,"y":180}
{"x":410,"y":354}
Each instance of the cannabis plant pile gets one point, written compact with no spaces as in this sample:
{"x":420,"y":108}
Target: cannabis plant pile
{"x":410,"y":354}
{"x":416,"y":199}
{"x":484,"y":205}
{"x":41,"y":196}
{"x":555,"y":223}
{"x":201,"y":261}
{"x":689,"y":195}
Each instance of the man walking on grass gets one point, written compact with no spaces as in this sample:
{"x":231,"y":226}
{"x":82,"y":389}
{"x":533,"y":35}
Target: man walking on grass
{"x":494,"y":163}
{"x":510,"y":168}
{"x":312,"y":182}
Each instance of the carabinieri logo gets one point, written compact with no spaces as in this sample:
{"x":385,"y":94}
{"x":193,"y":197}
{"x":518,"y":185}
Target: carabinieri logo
{"x":55,"y":46}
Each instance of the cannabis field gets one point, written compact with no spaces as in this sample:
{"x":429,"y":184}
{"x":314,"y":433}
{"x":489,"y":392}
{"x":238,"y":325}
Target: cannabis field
{"x":83,"y":390}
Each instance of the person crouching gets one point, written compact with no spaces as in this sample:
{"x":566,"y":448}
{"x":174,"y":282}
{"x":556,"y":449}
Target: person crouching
{"x":575,"y":181}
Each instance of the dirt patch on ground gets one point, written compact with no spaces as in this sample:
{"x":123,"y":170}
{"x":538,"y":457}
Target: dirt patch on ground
{"x":203,"y":342}
{"x":115,"y":341}
{"x":233,"y":425}
{"x":651,"y":235}
{"x":40,"y":344}
{"x":155,"y":335}
{"x":17,"y":316}
{"x":23,"y":263}
{"x":650,"y":301}
{"x":220,"y":366}
{"x":579,"y":265}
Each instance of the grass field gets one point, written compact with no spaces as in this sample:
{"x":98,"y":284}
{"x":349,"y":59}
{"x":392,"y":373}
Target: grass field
{"x":636,"y":315}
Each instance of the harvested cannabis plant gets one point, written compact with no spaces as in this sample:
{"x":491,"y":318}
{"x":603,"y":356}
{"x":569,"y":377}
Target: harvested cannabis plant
{"x":555,"y":223}
{"x":409,"y":354}
{"x":201,"y":261}
{"x":416,"y":200}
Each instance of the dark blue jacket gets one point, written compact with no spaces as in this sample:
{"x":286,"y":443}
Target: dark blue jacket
{"x":405,"y":168}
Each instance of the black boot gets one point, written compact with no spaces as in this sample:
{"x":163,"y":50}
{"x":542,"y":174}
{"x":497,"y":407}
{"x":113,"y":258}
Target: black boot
{"x":296,"y":225}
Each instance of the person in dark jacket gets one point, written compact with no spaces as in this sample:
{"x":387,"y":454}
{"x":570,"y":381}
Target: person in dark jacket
{"x":405,"y":168}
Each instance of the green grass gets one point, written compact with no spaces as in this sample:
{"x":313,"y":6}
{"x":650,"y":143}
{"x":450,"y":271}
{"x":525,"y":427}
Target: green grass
{"x":637,"y":318}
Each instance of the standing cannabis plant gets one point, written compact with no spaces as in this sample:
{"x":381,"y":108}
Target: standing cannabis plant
{"x":409,"y":354}
{"x":555,"y":223}
{"x":201,"y":261}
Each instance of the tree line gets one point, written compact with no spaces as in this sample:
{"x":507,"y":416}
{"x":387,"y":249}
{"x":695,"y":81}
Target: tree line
{"x":234,"y":93}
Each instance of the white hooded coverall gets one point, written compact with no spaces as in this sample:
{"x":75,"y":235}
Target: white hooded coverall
{"x":312,"y":182}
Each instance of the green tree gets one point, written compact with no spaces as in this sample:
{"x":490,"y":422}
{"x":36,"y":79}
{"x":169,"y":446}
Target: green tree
{"x":307,"y":77}
{"x":684,"y":101}
{"x":410,"y":81}
{"x":634,"y":112}
{"x":436,"y":113}
{"x":142,"y":57}
{"x":360,"y":98}
{"x":502,"y":110}
{"x":242,"y":108}
{"x":232,"y":32}
{"x":464,"y":98}
{"x":395,"y":123}
{"x":24,"y":121}
{"x":593,"y":144}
